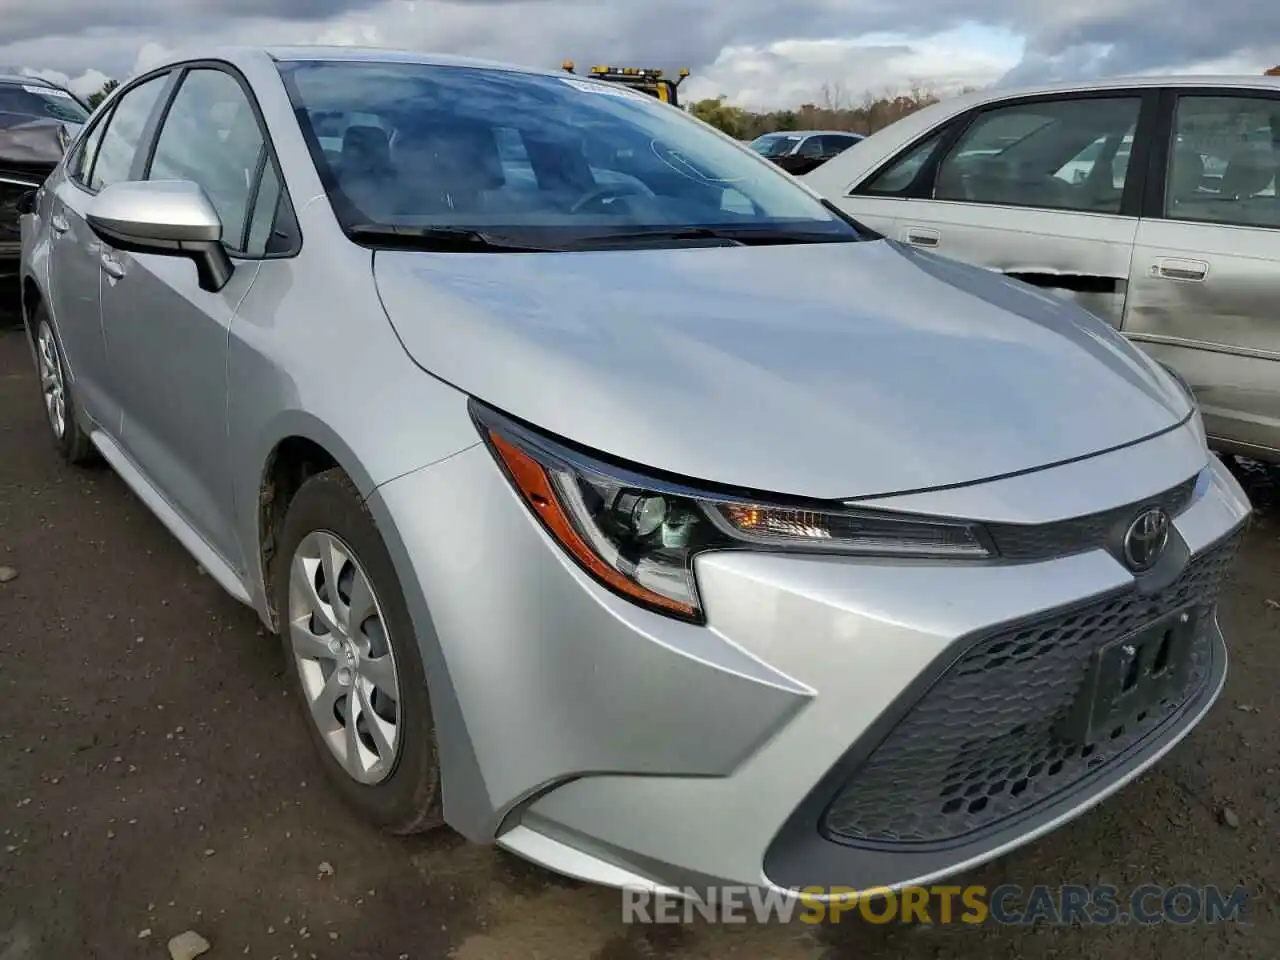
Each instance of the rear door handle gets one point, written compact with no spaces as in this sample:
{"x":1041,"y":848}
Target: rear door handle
{"x":111,"y":266}
{"x":59,"y":224}
{"x":919,"y":237}
{"x":1172,"y":268}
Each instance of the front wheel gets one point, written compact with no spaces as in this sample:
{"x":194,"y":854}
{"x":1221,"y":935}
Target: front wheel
{"x":352,"y":657}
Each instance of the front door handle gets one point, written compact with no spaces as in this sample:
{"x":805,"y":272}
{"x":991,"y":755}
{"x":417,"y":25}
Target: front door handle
{"x":111,"y":266}
{"x":920,"y":237}
{"x":59,"y":224}
{"x":1172,"y":268}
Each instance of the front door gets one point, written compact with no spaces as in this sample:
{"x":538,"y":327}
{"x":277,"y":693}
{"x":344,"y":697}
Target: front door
{"x":168,"y":337}
{"x":1205,"y":288}
{"x":1038,"y":188}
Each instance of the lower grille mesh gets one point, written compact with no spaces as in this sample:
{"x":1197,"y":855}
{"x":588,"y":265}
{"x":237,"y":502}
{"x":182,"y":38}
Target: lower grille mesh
{"x":980,"y":746}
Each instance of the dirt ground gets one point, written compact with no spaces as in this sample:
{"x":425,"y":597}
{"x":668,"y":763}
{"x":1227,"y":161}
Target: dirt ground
{"x":155,"y":778}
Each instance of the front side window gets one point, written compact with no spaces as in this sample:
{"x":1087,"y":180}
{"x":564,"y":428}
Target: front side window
{"x":123,"y":134}
{"x":20,"y":102}
{"x":1041,"y":154}
{"x":211,"y":137}
{"x":513,"y":153}
{"x":1224,"y":160}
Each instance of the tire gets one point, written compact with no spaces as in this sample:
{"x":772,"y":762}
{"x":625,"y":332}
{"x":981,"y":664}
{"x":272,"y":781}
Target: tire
{"x":69,"y":437}
{"x":400,"y":795}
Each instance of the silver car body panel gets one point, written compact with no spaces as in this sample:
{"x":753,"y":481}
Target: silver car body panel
{"x":575,"y":727}
{"x":656,"y":357}
{"x":1221,"y":332}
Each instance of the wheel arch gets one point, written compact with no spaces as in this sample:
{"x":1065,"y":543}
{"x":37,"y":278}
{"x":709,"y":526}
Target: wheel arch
{"x":300,"y":447}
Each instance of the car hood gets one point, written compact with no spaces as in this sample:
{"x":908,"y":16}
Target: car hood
{"x":821,"y":370}
{"x":34,"y":142}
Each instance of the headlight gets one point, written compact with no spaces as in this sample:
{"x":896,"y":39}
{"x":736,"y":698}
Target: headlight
{"x":638,"y":534}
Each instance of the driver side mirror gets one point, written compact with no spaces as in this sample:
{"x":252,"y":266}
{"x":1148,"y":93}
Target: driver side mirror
{"x":171,"y":218}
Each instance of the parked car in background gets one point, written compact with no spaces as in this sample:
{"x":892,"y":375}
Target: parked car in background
{"x":37,"y":120}
{"x":1150,"y":201}
{"x":803,"y":150}
{"x":663,"y":527}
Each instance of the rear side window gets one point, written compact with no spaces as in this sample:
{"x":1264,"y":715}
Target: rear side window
{"x":81,"y":161}
{"x":1224,"y":161}
{"x":1022,"y":154}
{"x":123,"y":134}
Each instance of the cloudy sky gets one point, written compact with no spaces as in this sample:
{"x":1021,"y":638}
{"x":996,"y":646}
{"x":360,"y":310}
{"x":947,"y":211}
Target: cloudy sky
{"x":757,"y":53}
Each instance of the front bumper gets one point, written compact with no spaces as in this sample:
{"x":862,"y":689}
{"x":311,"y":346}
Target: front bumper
{"x":619,"y":746}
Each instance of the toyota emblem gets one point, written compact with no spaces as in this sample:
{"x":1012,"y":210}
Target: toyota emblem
{"x":1146,"y":538}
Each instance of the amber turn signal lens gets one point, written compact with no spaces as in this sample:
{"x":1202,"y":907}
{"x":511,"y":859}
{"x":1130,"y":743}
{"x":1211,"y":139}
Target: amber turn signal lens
{"x":535,"y":486}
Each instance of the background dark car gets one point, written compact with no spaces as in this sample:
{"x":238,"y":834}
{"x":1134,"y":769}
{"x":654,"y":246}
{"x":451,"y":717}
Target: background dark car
{"x":799,"y":151}
{"x":37,"y":121}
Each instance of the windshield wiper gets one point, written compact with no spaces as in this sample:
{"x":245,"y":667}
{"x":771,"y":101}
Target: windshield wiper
{"x":673,"y":235}
{"x":725,"y":236}
{"x":450,"y":239}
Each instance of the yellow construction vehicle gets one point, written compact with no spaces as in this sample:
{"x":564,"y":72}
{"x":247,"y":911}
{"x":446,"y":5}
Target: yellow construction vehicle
{"x":645,"y":79}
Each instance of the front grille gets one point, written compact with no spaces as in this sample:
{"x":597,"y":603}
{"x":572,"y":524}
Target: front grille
{"x":1046,"y":540}
{"x":982,"y":744}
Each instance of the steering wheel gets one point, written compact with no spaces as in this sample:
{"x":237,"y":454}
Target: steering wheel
{"x":608,"y":192}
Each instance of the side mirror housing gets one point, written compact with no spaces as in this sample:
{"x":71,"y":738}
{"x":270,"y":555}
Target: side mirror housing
{"x":167,"y":217}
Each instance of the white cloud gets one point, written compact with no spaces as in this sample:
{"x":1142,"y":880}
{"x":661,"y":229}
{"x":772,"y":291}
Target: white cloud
{"x":756,"y":52}
{"x":789,"y":72}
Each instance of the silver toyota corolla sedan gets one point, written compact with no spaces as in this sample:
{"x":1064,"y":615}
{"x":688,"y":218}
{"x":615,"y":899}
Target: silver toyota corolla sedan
{"x":616,"y":499}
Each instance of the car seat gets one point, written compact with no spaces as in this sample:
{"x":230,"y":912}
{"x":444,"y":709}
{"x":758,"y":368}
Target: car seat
{"x":364,"y":171}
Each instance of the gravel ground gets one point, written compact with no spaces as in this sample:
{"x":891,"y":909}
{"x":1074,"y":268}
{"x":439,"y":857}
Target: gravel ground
{"x":155,"y":778}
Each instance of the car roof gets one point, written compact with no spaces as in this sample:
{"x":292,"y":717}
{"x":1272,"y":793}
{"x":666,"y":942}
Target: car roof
{"x":13,"y":78}
{"x":298,"y":53}
{"x":1236,"y":81}
{"x":810,"y":133}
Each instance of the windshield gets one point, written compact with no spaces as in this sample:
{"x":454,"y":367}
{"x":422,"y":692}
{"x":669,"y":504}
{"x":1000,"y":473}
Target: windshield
{"x":773,"y":144}
{"x":416,"y":146}
{"x":32,"y":100}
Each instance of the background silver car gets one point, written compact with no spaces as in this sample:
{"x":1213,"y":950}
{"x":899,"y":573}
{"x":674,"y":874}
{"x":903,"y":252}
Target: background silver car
{"x":663,"y":526}
{"x":1176,"y":243}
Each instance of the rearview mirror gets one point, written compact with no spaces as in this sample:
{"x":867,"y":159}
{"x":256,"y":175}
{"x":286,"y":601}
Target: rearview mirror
{"x":167,"y":217}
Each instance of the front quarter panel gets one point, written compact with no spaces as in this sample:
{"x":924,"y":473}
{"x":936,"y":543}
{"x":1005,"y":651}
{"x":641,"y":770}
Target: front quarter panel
{"x":312,"y":356}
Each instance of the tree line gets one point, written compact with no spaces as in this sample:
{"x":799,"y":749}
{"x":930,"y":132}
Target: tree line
{"x":835,"y":110}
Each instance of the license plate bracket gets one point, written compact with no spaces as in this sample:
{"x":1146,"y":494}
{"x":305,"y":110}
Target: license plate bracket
{"x":1131,"y":675}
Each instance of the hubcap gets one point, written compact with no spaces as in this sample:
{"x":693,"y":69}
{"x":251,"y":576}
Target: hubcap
{"x":51,"y":384}
{"x":347,"y":667}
